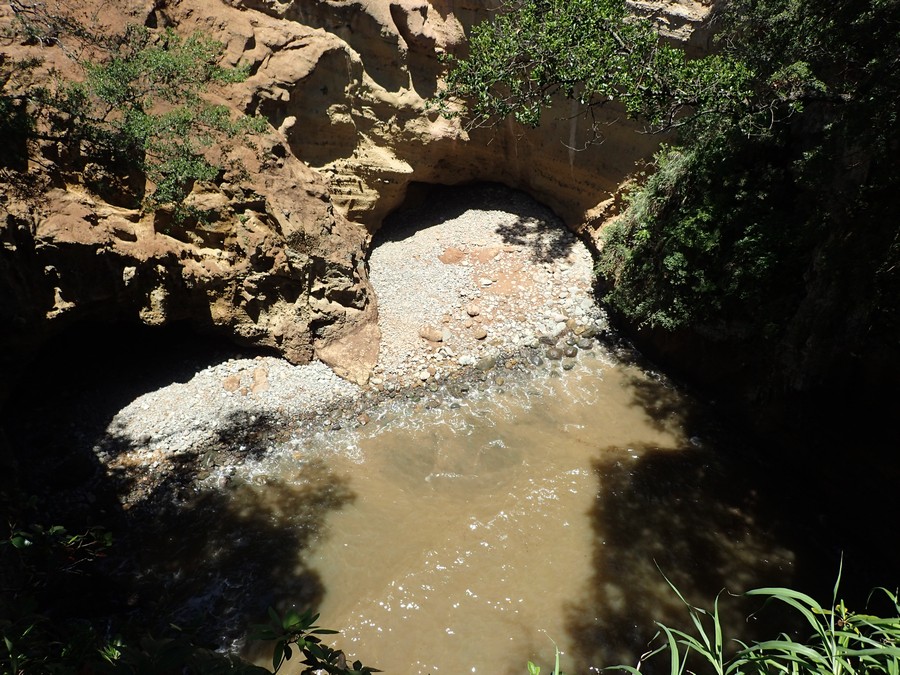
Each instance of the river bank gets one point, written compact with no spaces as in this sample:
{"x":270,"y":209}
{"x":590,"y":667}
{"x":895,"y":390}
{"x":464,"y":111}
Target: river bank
{"x":473,"y":287}
{"x":468,"y":296}
{"x":221,"y":473}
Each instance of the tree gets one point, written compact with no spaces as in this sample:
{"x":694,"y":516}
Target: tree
{"x":590,"y":50}
{"x":771,"y":223}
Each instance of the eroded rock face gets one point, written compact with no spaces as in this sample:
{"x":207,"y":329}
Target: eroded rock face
{"x":275,"y":267}
{"x":356,"y":108}
{"x":281,"y":264}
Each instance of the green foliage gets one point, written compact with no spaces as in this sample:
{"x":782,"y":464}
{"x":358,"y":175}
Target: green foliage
{"x":735,"y":231}
{"x":37,"y":563}
{"x":294,"y":630}
{"x":841,"y":641}
{"x":592,"y":51}
{"x":710,"y":236}
{"x":144,"y":104}
{"x":141,"y":107}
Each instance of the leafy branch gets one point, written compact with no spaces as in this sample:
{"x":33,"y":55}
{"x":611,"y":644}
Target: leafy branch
{"x":298,"y":631}
{"x":592,"y":51}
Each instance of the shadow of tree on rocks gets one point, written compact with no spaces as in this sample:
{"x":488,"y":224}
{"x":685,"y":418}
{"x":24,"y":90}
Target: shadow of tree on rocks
{"x":534,"y":226}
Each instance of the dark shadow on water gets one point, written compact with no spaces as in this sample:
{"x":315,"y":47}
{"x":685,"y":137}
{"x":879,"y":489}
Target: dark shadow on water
{"x":677,"y":513}
{"x":213,"y":560}
{"x":666,"y":406}
{"x":725,"y":512}
{"x":535,"y":225}
{"x":209,"y":556}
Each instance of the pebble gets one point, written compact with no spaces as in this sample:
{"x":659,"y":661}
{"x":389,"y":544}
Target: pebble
{"x":431,"y":333}
{"x":486,"y":363}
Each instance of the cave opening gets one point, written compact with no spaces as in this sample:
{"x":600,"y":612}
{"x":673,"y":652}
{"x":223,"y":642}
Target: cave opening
{"x":430,"y":203}
{"x":469,"y":273}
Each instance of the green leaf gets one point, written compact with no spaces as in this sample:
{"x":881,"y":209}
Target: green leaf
{"x":278,"y":655}
{"x":290,"y":620}
{"x":20,"y":542}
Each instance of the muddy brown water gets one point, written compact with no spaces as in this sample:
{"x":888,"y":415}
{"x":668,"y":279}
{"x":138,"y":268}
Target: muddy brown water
{"x":543,"y":512}
{"x":461,"y":540}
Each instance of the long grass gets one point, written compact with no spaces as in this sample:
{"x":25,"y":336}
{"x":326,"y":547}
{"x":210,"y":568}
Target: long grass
{"x":841,"y":642}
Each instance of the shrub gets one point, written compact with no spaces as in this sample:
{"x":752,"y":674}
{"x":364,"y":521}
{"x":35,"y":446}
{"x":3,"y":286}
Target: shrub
{"x":139,"y":107}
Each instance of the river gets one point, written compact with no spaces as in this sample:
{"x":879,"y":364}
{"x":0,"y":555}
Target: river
{"x":542,"y":508}
{"x":543,"y":512}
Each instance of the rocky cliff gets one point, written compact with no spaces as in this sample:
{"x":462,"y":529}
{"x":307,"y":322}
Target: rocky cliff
{"x":344,"y":85}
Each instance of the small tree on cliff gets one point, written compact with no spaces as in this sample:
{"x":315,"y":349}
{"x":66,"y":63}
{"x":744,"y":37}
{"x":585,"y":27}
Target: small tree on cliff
{"x":139,"y":106}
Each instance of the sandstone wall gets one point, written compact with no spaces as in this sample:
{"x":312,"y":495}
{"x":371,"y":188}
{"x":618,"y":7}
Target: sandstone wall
{"x":350,"y":92}
{"x":345,"y":85}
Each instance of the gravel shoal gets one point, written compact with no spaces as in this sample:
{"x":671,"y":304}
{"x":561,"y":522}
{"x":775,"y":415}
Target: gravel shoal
{"x":457,"y":287}
{"x":464,"y":279}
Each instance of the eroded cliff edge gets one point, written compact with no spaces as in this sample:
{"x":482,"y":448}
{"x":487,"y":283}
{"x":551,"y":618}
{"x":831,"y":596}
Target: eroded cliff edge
{"x":344,"y":86}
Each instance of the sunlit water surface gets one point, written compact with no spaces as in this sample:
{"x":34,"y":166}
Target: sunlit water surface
{"x":471,"y":540}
